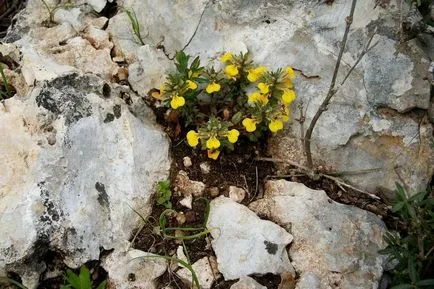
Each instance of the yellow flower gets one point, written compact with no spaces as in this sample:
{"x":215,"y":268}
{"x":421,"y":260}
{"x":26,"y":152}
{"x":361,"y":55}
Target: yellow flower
{"x":254,"y":97}
{"x":285,"y":115}
{"x":288,"y":96}
{"x":263,"y":99}
{"x":249,"y":124}
{"x":256,"y":73}
{"x":212,"y":143}
{"x":213,"y":154}
{"x":290,"y":72}
{"x":226,"y":57}
{"x":177,"y":101}
{"x":275,"y":125}
{"x":231,"y":70}
{"x":192,"y":138}
{"x":263,"y":87}
{"x":287,"y":83}
{"x":233,"y":135}
{"x":191,"y":84}
{"x":213,"y":87}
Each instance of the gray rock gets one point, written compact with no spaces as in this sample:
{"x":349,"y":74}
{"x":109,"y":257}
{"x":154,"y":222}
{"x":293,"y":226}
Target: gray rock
{"x":243,"y":243}
{"x":134,"y":269}
{"x":237,"y":194}
{"x":203,"y":271}
{"x":68,"y":193}
{"x":334,"y":246}
{"x":141,"y":78}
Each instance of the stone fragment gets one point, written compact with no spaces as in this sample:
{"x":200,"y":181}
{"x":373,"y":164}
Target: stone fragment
{"x":237,"y":194}
{"x":244,"y":244}
{"x":187,"y":162}
{"x":203,"y":271}
{"x":187,"y":187}
{"x":134,"y":269}
{"x":187,"y":201}
{"x":205,"y":168}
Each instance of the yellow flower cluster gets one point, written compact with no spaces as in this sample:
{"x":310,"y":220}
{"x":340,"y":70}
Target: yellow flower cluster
{"x":212,"y":141}
{"x":228,"y":112}
{"x":256,"y":73}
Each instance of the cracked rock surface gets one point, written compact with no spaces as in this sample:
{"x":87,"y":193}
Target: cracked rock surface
{"x":334,"y":245}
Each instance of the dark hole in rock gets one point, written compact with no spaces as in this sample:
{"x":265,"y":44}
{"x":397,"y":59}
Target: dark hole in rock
{"x":103,"y":198}
{"x":131,"y":277}
{"x":271,"y":247}
{"x":106,"y":90}
{"x":109,"y":118}
{"x":117,"y":111}
{"x":110,"y":10}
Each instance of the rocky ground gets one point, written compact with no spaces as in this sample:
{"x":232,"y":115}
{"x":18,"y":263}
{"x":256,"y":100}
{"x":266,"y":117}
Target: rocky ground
{"x":84,"y":145}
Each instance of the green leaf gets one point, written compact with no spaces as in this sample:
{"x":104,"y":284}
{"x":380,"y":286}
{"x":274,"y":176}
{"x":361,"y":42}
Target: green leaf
{"x":398,"y":207}
{"x":414,"y":276}
{"x":196,"y":62}
{"x":400,"y":192}
{"x":236,"y":118}
{"x":425,"y":282}
{"x":85,"y":281}
{"x":73,"y":279}
{"x":402,"y":286}
{"x":102,"y":285}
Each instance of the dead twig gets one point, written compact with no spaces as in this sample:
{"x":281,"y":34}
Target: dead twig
{"x":308,"y":172}
{"x":331,"y":91}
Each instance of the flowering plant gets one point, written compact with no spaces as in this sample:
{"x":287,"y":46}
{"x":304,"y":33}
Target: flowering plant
{"x":241,"y":99}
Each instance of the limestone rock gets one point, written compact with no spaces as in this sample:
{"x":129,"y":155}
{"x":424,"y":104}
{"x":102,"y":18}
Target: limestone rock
{"x":97,"y":5}
{"x":134,"y":269}
{"x":204,"y":273}
{"x":334,"y":244}
{"x":237,"y":194}
{"x":143,"y":79}
{"x":79,"y":53}
{"x":98,"y":38}
{"x":68,"y":192}
{"x":244,"y":244}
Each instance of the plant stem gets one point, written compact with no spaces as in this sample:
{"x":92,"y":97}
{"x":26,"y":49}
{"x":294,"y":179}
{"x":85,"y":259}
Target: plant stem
{"x":331,"y":91}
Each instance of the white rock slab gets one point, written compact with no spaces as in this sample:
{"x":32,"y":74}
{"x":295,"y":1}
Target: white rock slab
{"x":244,"y":244}
{"x":134,"y":269}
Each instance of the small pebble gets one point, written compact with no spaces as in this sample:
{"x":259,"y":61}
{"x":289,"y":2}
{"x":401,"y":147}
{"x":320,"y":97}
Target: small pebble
{"x":187,"y":162}
{"x":180,"y":218}
{"x":205,"y":168}
{"x":187,"y":201}
{"x":237,"y":194}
